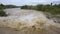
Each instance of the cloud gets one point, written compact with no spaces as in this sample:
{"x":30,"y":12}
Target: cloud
{"x":28,"y":2}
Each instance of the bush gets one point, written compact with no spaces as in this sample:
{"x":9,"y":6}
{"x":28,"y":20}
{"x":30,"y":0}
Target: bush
{"x":39,"y":7}
{"x":54,"y":11}
{"x":2,"y":13}
{"x":24,"y":7}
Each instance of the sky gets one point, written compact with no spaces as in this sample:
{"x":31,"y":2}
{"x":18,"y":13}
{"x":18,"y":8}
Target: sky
{"x":28,"y":2}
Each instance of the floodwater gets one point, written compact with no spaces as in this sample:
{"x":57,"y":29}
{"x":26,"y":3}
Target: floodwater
{"x":22,"y":21}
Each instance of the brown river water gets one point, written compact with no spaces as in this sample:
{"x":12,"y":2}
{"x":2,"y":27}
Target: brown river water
{"x":22,"y":21}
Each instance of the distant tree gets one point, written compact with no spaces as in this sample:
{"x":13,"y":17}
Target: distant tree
{"x":51,"y":4}
{"x":1,"y":5}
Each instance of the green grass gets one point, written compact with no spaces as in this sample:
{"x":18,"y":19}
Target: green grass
{"x":54,"y":11}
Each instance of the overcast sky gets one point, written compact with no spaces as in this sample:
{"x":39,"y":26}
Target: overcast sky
{"x":28,"y":2}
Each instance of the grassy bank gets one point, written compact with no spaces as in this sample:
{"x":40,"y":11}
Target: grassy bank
{"x":52,"y":9}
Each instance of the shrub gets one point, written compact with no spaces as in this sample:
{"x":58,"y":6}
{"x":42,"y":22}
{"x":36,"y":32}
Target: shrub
{"x":24,"y":7}
{"x":2,"y":13}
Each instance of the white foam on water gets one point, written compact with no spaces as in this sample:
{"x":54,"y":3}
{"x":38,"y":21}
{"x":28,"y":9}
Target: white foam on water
{"x":26,"y":20}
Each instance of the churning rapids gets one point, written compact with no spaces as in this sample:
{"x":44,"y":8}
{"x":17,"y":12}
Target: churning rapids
{"x":28,"y":22}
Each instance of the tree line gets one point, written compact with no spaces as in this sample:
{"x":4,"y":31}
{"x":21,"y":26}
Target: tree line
{"x":53,"y":9}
